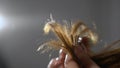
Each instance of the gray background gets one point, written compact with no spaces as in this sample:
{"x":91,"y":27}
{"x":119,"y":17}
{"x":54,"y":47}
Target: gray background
{"x":25,"y":20}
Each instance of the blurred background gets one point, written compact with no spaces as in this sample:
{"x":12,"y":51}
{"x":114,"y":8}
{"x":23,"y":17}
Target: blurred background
{"x":22,"y":22}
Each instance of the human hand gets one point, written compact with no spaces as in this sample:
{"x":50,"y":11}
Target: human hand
{"x":66,"y":61}
{"x":63,"y":61}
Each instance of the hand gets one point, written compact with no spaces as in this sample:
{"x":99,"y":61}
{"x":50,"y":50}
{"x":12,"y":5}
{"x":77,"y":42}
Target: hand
{"x":65,"y":60}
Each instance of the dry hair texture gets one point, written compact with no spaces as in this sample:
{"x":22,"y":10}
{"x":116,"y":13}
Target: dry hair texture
{"x":68,"y":35}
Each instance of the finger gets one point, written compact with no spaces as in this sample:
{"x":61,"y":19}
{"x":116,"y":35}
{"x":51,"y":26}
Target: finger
{"x":84,"y":48}
{"x":62,"y":55}
{"x":80,"y":52}
{"x":70,"y":63}
{"x":51,"y":63}
{"x":68,"y":58}
{"x":55,"y":63}
{"x":59,"y":61}
{"x":84,"y":58}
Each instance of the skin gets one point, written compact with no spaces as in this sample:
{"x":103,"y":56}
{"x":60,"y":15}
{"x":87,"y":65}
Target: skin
{"x":65,"y":60}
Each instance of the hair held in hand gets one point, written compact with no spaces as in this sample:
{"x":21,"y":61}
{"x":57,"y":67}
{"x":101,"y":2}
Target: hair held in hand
{"x":69,"y":36}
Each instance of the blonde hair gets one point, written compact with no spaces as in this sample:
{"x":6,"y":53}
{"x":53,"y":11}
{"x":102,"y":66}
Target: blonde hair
{"x":68,"y":38}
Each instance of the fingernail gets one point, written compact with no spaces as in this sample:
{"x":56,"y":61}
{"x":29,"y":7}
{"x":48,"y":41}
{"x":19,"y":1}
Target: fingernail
{"x":61,"y":50}
{"x":66,"y":58}
{"x":57,"y":58}
{"x":62,"y":54}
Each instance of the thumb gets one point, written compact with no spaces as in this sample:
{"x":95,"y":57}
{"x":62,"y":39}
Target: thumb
{"x":80,"y":51}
